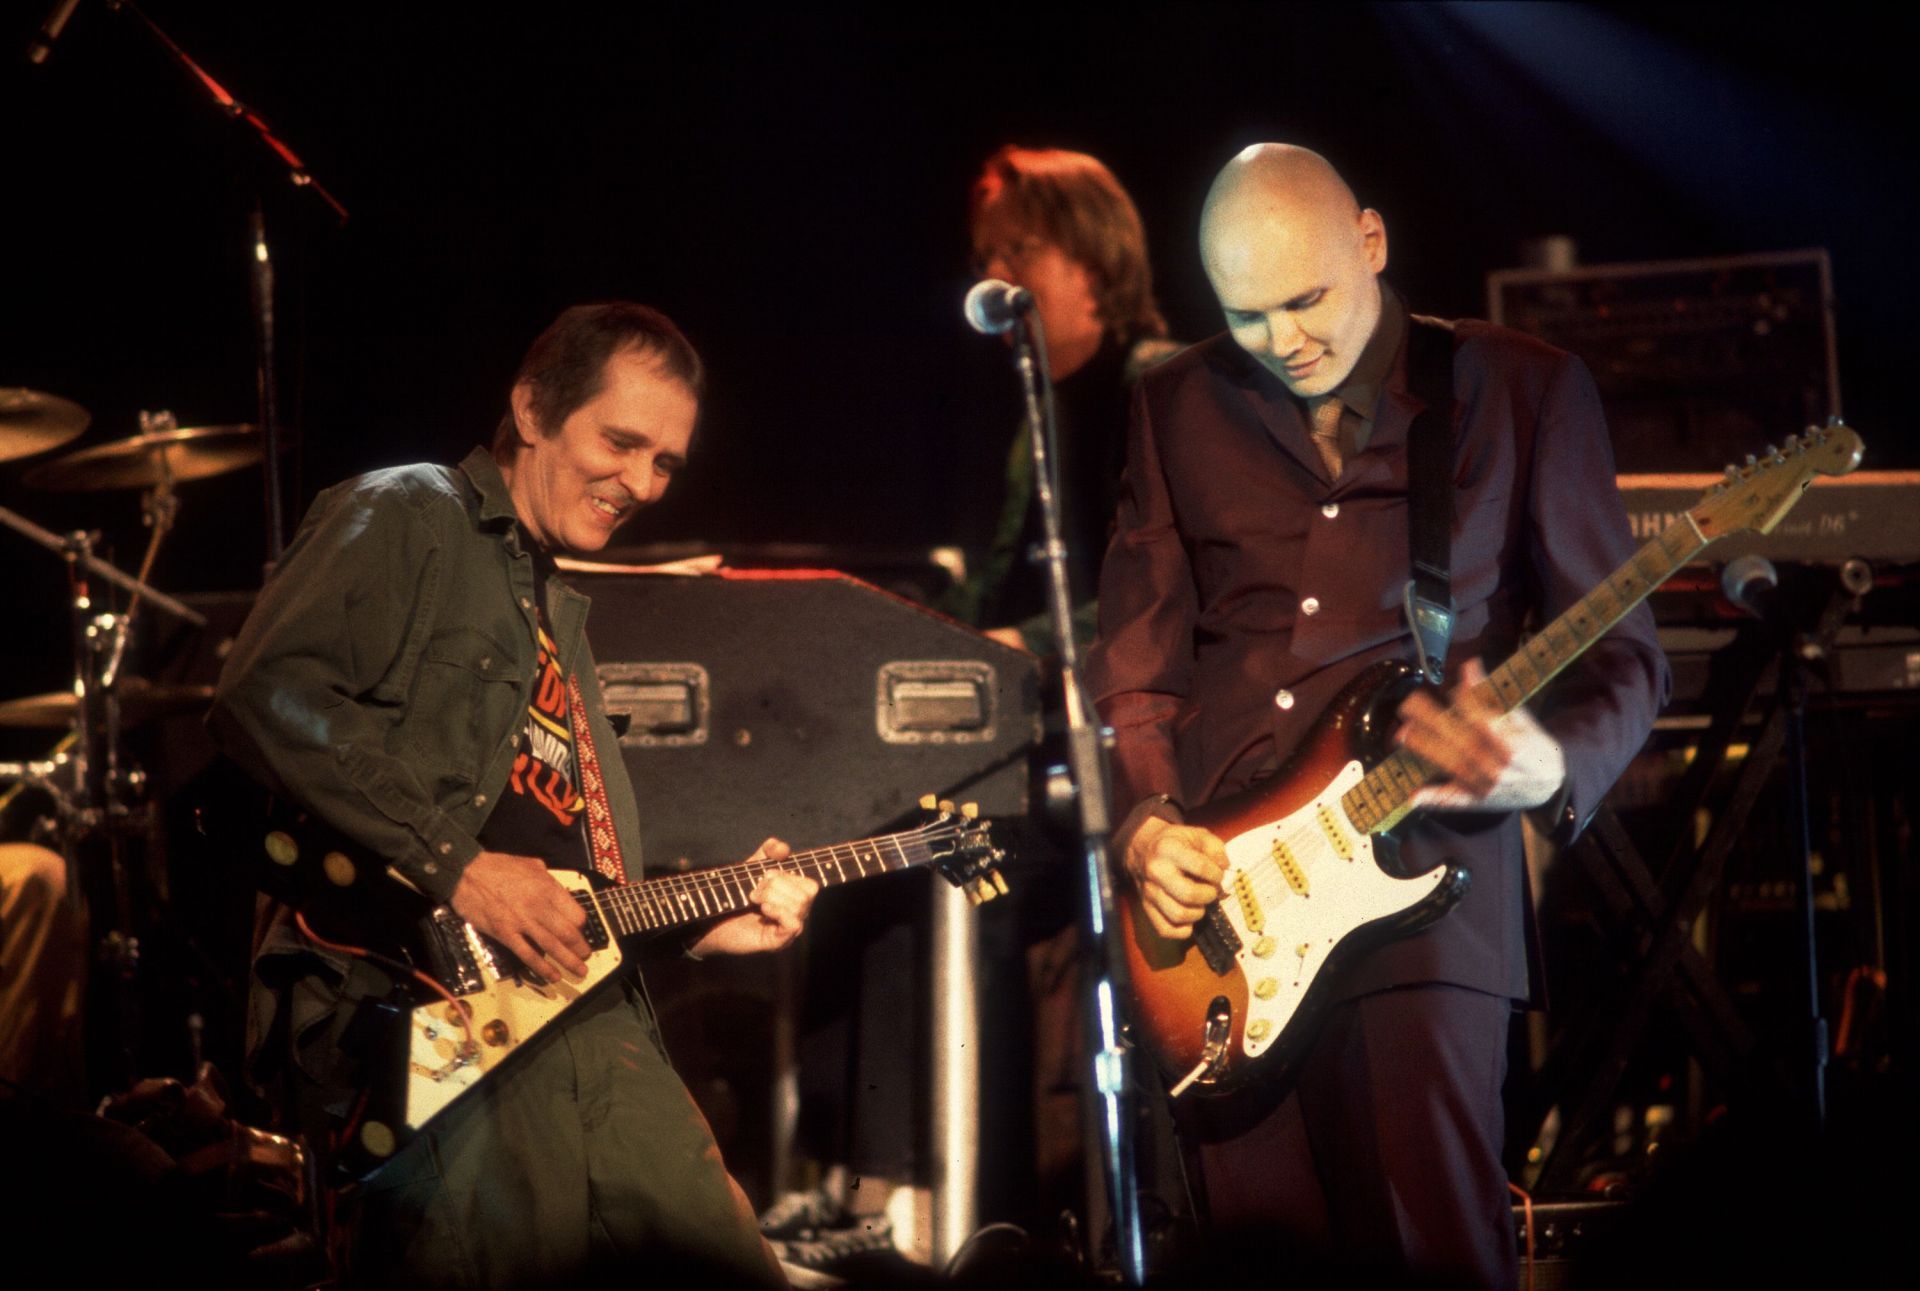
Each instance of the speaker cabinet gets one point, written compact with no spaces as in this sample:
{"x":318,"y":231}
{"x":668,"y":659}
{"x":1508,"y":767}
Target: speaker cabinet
{"x":807,"y":705}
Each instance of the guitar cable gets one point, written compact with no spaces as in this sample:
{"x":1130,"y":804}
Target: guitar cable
{"x":1526,"y":1212}
{"x":460,"y":1011}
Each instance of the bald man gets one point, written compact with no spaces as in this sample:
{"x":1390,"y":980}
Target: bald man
{"x":1258,"y":566}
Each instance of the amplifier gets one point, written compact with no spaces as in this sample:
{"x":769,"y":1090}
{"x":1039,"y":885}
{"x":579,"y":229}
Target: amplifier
{"x":804,"y":704}
{"x":1697,"y":361}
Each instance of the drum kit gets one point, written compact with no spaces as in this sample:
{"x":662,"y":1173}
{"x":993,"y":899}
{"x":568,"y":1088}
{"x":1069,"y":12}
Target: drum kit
{"x":96,"y":791}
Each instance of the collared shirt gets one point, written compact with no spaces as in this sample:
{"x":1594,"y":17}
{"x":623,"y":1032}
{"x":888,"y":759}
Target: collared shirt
{"x":384,"y":675}
{"x":1360,"y":392}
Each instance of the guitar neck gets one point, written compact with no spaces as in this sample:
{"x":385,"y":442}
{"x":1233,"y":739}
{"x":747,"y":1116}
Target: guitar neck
{"x":653,"y":904}
{"x":1382,"y":798}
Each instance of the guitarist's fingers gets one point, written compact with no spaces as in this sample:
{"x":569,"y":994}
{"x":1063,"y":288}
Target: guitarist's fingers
{"x":1181,"y":880}
{"x":528,"y":952}
{"x":771,"y":850}
{"x":785,"y":899}
{"x":1184,"y":886}
{"x":1171,"y":918}
{"x":1464,"y":747}
{"x":554,"y":927}
{"x":1208,"y":844}
{"x":1196,"y":852}
{"x":1173,"y":932}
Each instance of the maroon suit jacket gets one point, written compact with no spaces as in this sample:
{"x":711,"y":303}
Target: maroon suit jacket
{"x":1242,"y":589}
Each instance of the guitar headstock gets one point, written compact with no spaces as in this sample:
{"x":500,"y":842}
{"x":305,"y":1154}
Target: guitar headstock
{"x":1758,"y":494}
{"x":962,"y":847}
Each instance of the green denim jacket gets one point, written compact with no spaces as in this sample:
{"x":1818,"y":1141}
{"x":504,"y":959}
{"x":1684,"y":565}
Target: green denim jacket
{"x":383,"y":677}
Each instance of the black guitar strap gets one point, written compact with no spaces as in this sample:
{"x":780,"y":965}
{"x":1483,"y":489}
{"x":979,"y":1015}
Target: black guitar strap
{"x":1428,"y":599}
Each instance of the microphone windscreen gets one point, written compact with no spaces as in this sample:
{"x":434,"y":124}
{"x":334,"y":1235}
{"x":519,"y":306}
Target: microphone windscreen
{"x":993,"y":306}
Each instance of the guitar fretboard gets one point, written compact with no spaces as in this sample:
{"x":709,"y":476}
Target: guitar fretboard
{"x":653,"y":904}
{"x":1381,"y":799}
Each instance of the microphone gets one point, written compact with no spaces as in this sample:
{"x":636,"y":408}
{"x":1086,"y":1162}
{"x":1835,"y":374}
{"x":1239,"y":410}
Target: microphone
{"x":42,"y":43}
{"x":1750,"y":583}
{"x":994,"y":306}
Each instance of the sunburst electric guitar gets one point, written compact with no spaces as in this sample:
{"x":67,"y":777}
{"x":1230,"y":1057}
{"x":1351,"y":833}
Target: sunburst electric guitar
{"x":464,"y":1005}
{"x":1310,"y":880}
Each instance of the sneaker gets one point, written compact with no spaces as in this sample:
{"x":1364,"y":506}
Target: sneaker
{"x":833,"y":1245}
{"x":797,"y":1214}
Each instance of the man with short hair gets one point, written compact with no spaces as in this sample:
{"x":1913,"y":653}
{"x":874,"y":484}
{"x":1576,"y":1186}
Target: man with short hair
{"x":1258,"y":567}
{"x":417,"y":676}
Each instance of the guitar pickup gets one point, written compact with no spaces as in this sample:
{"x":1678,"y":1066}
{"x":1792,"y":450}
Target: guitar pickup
{"x":1250,"y":912}
{"x":1290,"y":870}
{"x":595,"y":930}
{"x":1336,"y":836}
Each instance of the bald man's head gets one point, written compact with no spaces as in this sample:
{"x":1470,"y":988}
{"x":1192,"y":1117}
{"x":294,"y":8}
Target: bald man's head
{"x":1293,"y":260}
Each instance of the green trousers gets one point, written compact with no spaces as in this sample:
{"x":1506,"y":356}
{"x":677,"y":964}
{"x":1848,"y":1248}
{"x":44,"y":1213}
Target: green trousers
{"x":587,"y":1159}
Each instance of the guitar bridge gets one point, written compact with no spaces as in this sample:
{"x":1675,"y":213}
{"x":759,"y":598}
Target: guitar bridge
{"x":1217,"y":941}
{"x":450,"y":954}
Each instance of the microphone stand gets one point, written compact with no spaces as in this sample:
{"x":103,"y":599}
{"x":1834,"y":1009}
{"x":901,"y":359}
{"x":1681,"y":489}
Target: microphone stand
{"x":1086,"y":786}
{"x":260,"y":279}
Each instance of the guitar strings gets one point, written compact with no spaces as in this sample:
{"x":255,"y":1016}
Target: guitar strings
{"x":817,"y":858}
{"x":1392,"y":782}
{"x":670,"y":899}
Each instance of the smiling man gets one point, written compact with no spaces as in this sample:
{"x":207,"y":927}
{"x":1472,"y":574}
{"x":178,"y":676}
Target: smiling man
{"x":1258,"y":567}
{"x":417,"y":675}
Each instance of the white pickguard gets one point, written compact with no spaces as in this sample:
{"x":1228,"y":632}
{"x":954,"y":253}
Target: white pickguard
{"x":1294,"y":889}
{"x":507,"y":1013}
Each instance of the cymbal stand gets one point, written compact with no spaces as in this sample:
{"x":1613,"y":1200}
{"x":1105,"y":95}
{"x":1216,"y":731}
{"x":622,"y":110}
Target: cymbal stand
{"x":54,"y":543}
{"x":95,"y":862}
{"x":96,"y":809}
{"x":159,"y":509}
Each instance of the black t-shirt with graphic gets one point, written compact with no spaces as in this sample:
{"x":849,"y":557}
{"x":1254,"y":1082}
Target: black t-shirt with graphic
{"x":541,"y":811}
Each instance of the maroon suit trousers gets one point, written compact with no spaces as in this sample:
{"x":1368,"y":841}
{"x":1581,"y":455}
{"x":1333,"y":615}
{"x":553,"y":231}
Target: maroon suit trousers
{"x":1385,"y":1151}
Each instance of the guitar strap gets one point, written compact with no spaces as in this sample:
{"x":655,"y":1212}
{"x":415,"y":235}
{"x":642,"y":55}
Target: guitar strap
{"x":1428,"y":598}
{"x":1429,"y":594}
{"x":602,"y":842}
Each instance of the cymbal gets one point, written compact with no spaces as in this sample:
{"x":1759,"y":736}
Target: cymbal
{"x":32,"y":422}
{"x":139,"y":701}
{"x":141,"y":462}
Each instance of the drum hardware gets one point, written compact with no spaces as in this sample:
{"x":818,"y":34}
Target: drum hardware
{"x":54,"y":543}
{"x":103,"y":808}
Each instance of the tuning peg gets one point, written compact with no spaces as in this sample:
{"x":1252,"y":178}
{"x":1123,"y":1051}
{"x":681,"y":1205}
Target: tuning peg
{"x":973,"y":895}
{"x":946,"y":806}
{"x":1791,"y":443}
{"x":999,"y":884}
{"x":986,"y":890}
{"x":970,"y":810}
{"x":1733,"y":477}
{"x":927,"y":802}
{"x":1752,"y":461}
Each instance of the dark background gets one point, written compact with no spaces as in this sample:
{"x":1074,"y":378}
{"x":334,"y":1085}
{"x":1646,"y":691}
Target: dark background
{"x":792,"y":189}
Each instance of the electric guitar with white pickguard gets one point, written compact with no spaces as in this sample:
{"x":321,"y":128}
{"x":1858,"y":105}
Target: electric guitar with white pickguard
{"x":464,"y":1005}
{"x":1305,"y":890}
